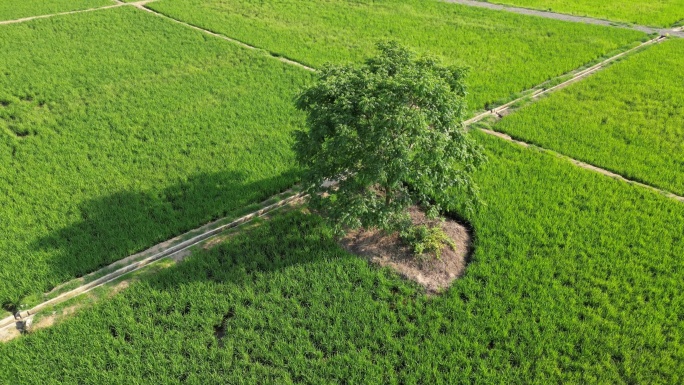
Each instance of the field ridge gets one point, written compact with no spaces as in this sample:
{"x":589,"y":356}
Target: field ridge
{"x":141,"y":5}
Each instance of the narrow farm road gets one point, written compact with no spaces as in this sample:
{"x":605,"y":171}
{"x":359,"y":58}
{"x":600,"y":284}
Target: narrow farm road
{"x":24,"y":19}
{"x":141,"y":5}
{"x":584,"y":165}
{"x":177,"y":247}
{"x":564,"y":17}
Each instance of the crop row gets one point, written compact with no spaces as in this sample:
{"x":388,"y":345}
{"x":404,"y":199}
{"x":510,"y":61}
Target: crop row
{"x":628,"y":118}
{"x":507,"y":53}
{"x":575,"y":278}
{"x":119,"y":129}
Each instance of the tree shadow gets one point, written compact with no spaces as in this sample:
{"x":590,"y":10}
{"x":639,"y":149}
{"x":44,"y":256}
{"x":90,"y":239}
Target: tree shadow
{"x":122,"y":224}
{"x":289,"y":238}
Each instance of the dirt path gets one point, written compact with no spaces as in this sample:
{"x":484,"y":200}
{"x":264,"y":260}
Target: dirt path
{"x":564,"y":17}
{"x":24,"y":19}
{"x":141,"y":5}
{"x":501,"y":111}
{"x":538,"y":91}
{"x":175,"y":248}
{"x":586,"y":166}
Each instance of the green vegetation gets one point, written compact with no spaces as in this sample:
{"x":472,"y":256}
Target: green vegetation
{"x":576,"y":278}
{"x":628,"y":118}
{"x":16,"y":9}
{"x":427,"y":241}
{"x":508,"y":53}
{"x":389,"y":131}
{"x":119,"y":129}
{"x":662,"y":13}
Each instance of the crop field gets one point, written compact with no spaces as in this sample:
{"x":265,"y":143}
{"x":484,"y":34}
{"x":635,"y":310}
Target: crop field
{"x":119,"y":129}
{"x":663,"y":13}
{"x":628,"y":119}
{"x":14,"y":9}
{"x":576,"y":278}
{"x":507,"y":53}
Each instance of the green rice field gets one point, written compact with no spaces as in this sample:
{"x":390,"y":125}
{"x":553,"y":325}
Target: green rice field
{"x":628,"y":119}
{"x":507,"y":53}
{"x":118,"y":116}
{"x":662,"y":13}
{"x":16,"y":9}
{"x":119,"y":129}
{"x":575,"y":279}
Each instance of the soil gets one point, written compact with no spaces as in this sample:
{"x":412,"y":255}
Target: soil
{"x":387,"y":250}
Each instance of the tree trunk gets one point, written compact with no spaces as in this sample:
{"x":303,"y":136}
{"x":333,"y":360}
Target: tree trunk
{"x":388,"y":196}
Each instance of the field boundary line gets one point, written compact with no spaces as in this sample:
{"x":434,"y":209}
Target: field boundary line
{"x":141,"y":5}
{"x":583,"y":165}
{"x":116,"y":4}
{"x":501,"y":111}
{"x":209,"y":231}
{"x":676,"y":32}
{"x":577,"y":76}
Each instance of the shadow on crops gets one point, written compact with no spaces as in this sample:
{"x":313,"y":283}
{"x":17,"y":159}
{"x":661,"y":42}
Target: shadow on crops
{"x":116,"y":226}
{"x":289,"y":238}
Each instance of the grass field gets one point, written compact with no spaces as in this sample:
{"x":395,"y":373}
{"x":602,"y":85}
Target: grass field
{"x":15,"y":9}
{"x":628,"y":119}
{"x":576,"y":278}
{"x":508,"y":53}
{"x":662,"y":13}
{"x":119,"y":129}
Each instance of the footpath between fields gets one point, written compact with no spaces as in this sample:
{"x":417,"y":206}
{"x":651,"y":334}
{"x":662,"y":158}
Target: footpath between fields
{"x":175,"y":249}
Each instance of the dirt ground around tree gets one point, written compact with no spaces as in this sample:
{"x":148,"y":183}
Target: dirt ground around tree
{"x":387,"y":250}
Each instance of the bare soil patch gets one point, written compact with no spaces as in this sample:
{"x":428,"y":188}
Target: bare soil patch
{"x":387,"y":250}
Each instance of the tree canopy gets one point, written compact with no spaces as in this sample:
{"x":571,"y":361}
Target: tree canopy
{"x":389,"y":132}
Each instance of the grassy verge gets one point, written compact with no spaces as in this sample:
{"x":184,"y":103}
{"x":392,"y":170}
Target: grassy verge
{"x":645,"y":12}
{"x":119,"y":129}
{"x":628,"y":118}
{"x":11,"y":9}
{"x":508,"y":53}
{"x":576,"y":278}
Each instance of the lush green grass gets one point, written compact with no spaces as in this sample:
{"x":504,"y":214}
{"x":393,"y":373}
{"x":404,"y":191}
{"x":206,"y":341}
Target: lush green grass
{"x":628,"y":118}
{"x":576,"y":278}
{"x":662,"y":13}
{"x":16,"y":9}
{"x":119,"y":129}
{"x":508,"y":53}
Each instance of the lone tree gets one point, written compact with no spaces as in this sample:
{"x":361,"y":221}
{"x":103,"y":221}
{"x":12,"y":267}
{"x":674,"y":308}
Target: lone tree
{"x":389,"y":132}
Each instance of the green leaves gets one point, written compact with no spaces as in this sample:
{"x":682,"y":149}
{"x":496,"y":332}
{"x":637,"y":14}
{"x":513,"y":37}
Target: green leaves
{"x":389,"y":132}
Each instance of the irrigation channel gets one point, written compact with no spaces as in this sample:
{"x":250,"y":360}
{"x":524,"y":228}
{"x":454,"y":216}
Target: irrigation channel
{"x":183,"y":243}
